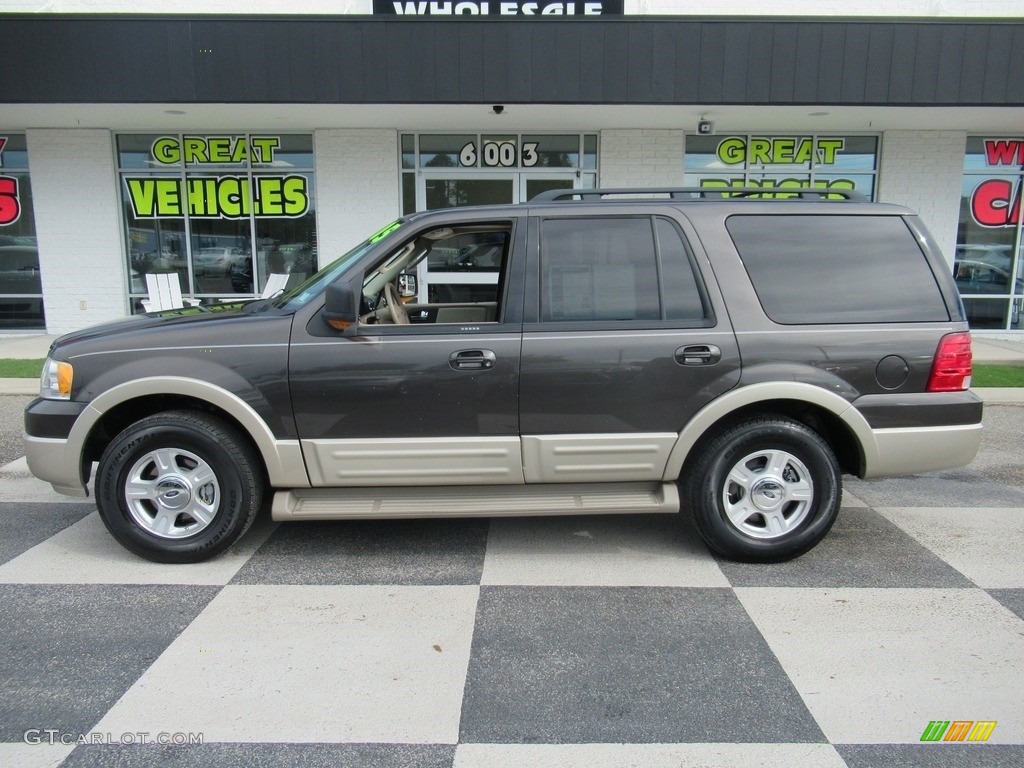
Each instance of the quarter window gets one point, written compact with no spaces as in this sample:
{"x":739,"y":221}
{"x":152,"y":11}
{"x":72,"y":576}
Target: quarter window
{"x":837,"y":269}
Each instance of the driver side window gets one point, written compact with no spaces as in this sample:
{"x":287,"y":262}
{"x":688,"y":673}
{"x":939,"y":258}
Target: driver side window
{"x":443,"y":275}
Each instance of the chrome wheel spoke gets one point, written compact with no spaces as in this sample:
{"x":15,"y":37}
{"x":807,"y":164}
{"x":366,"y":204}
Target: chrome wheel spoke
{"x":165,"y":460}
{"x":777,"y":461}
{"x":738,"y":513}
{"x":801,"y":491}
{"x":137,"y":488}
{"x":776,"y":523}
{"x":162,"y":523}
{"x":202,"y":514}
{"x":742,"y":476}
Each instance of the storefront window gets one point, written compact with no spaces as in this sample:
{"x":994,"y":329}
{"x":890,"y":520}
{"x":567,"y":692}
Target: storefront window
{"x":790,"y":161}
{"x":987,"y":262}
{"x":21,"y":289}
{"x":221,"y":211}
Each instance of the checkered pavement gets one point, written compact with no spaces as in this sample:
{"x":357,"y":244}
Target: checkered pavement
{"x":587,"y":641}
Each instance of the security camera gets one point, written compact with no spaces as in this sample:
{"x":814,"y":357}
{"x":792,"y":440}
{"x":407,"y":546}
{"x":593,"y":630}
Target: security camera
{"x":705,"y":127}
{"x":497,"y":109}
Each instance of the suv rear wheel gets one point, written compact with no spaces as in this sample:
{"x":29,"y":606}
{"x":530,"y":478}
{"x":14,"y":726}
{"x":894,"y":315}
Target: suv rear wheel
{"x":178,"y":487}
{"x":766,"y":489}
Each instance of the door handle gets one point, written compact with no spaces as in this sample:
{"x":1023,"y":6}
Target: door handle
{"x":698,"y":354}
{"x":472,"y":360}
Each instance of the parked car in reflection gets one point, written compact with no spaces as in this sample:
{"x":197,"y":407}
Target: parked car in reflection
{"x":217,"y":261}
{"x":997,"y":254}
{"x":979,"y":280}
{"x":162,"y":260}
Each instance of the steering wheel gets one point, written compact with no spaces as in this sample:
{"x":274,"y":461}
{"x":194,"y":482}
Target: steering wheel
{"x":395,"y":306}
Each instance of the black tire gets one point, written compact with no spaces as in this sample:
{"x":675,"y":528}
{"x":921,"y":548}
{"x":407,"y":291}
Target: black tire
{"x":178,"y":487}
{"x":766,"y":489}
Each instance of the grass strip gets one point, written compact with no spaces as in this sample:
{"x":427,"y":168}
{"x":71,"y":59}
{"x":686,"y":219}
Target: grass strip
{"x":16,"y":368}
{"x":998,"y":375}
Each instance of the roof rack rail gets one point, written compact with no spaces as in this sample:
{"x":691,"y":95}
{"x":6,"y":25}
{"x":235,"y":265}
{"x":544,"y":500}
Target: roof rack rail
{"x":699,"y":193}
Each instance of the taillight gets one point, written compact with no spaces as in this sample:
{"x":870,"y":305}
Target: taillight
{"x":951,"y":371}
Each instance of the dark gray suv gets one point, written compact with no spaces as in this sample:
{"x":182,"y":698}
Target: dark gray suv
{"x":727,"y":354}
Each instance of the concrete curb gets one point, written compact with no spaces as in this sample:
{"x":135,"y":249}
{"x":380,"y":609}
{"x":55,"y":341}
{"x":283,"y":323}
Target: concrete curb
{"x":1001,"y":395}
{"x":19,"y":386}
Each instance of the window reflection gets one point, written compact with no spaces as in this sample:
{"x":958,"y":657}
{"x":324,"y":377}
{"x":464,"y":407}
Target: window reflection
{"x":220,"y":225}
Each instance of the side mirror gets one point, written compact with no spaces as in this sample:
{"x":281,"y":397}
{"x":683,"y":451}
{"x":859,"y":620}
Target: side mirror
{"x":341,"y":308}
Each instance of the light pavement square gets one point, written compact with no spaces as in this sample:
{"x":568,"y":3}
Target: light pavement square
{"x":87,"y":550}
{"x":654,"y":551}
{"x":33,"y":755}
{"x":18,"y":484}
{"x":646,"y":755}
{"x":312,"y":664}
{"x":966,"y":538}
{"x":876,"y":665}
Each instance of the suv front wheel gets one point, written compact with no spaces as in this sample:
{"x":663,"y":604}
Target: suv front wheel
{"x":178,"y":487}
{"x":766,"y":489}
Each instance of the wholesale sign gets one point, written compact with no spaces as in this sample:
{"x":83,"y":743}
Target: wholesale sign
{"x":502,"y":8}
{"x":217,"y":196}
{"x":997,"y":202}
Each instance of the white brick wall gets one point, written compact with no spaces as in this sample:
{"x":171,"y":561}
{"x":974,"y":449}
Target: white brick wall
{"x":642,"y":158}
{"x":81,"y":255}
{"x":357,"y":186}
{"x":922,"y":170}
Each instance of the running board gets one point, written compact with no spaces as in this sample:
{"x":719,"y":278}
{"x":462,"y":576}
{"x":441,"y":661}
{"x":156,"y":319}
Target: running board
{"x":475,"y":501}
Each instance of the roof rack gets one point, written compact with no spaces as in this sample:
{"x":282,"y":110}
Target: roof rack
{"x":699,"y":193}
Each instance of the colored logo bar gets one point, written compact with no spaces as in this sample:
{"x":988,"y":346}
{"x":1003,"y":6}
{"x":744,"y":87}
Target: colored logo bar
{"x":958,"y":730}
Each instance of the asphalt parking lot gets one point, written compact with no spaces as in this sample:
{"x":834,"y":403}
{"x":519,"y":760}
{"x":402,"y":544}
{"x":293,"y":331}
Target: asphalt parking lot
{"x":614,"y":641}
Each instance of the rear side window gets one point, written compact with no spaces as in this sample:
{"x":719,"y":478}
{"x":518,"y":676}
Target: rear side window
{"x":615,"y":269}
{"x":837,"y":269}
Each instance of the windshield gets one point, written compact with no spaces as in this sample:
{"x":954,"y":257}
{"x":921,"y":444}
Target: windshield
{"x":301,"y":295}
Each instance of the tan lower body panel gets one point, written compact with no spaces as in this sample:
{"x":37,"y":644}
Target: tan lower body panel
{"x":414,"y":461}
{"x":475,"y":501}
{"x":924,"y":449}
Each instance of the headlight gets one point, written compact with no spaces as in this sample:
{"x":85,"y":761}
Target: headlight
{"x":56,"y":380}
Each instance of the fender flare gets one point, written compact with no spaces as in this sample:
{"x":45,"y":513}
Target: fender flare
{"x":745,"y":396}
{"x":282,"y":458}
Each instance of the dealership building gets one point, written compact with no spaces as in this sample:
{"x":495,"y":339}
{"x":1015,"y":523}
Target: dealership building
{"x":271,"y":137}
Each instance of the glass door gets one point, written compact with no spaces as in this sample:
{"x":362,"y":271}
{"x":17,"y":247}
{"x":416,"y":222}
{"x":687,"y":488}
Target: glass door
{"x":444,"y":276}
{"x":532,"y":184}
{"x":454,"y":190}
{"x":458,"y":276}
{"x":457,"y":189}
